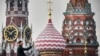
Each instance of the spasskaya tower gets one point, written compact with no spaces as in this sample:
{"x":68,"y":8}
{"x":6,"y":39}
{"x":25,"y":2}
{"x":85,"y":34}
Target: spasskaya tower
{"x":16,"y":28}
{"x":18,"y":9}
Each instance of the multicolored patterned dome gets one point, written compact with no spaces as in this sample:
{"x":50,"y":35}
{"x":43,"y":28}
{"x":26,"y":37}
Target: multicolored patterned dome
{"x":50,"y":39}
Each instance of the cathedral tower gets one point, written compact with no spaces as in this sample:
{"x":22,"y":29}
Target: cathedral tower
{"x":79,"y":29}
{"x":16,"y":27}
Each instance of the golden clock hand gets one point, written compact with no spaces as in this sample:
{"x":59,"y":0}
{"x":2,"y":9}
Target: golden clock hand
{"x":12,"y":31}
{"x":8,"y":32}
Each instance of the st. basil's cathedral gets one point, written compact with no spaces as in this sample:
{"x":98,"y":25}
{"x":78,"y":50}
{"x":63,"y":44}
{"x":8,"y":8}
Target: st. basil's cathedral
{"x":78,"y":36}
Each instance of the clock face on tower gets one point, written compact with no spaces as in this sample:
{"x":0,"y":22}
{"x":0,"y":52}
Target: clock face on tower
{"x":10,"y":33}
{"x":27,"y":33}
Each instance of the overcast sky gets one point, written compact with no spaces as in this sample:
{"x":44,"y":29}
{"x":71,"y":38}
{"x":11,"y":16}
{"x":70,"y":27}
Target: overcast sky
{"x":38,"y":15}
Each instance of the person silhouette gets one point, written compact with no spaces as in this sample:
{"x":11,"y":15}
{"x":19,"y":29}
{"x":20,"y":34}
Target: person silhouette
{"x":20,"y":49}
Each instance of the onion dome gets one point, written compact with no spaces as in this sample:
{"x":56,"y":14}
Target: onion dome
{"x":50,"y":39}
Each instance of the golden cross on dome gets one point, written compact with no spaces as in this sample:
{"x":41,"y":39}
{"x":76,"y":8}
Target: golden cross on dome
{"x":50,"y":10}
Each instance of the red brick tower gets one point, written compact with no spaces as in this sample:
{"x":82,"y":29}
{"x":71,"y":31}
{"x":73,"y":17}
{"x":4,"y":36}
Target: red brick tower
{"x":18,"y":9}
{"x":16,"y":27}
{"x":79,"y":29}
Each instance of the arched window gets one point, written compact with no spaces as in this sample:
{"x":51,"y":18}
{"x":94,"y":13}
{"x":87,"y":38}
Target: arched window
{"x":78,"y":40}
{"x":12,"y":3}
{"x":69,"y":28}
{"x":87,"y":22}
{"x":26,"y":5}
{"x":78,"y":28}
{"x":19,"y":3}
{"x":67,"y":40}
{"x":66,"y":21}
{"x":88,"y":40}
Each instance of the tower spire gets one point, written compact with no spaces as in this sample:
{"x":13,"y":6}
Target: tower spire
{"x":75,"y":2}
{"x":50,"y":10}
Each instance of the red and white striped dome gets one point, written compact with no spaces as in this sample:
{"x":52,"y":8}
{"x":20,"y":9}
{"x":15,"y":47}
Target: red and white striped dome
{"x":50,"y":39}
